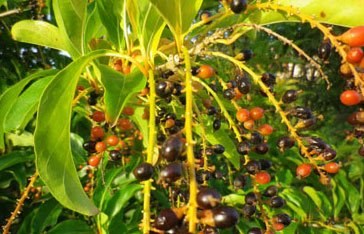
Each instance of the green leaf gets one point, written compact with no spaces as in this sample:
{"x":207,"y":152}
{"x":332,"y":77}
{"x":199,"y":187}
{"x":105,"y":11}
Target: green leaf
{"x":118,"y":89}
{"x":323,"y":11}
{"x":71,"y":20}
{"x":353,"y":195}
{"x":103,"y":193}
{"x":24,"y":139}
{"x":149,"y":23}
{"x":141,"y":123}
{"x":14,"y":158}
{"x":39,"y":33}
{"x":178,"y":14}
{"x":319,"y":199}
{"x":9,"y":97}
{"x":52,"y":138}
{"x":25,"y":106}
{"x":72,"y":227}
{"x":339,"y":197}
{"x":221,"y":137}
{"x":120,"y":199}
{"x":78,"y":152}
{"x":27,"y":222}
{"x":111,"y":16}
{"x":47,"y":215}
{"x":94,"y":28}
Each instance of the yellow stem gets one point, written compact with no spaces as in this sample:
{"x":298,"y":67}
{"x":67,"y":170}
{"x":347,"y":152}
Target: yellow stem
{"x":275,"y":103}
{"x":20,"y":203}
{"x":192,"y":208}
{"x":150,"y":152}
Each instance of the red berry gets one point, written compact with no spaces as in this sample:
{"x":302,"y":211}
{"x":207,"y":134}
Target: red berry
{"x":97,"y":132}
{"x":126,"y":69}
{"x":265,"y":129}
{"x":205,"y":72}
{"x":262,"y":177}
{"x":332,"y":167}
{"x":303,"y":170}
{"x":278,"y":226}
{"x":100,"y":147}
{"x":98,"y":116}
{"x":350,"y":98}
{"x":112,"y":140}
{"x":125,"y":124}
{"x":128,"y":110}
{"x":242,"y":115}
{"x":353,"y":37}
{"x":249,"y":124}
{"x":256,"y":113}
{"x":354,"y":55}
{"x":94,"y":161}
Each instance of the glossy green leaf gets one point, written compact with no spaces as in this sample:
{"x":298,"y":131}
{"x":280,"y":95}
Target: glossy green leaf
{"x":111,"y":17}
{"x":39,"y":33}
{"x":319,"y":199}
{"x":120,"y":198}
{"x":324,"y":11}
{"x":9,"y":97}
{"x":102,"y":193}
{"x":71,"y":20}
{"x":149,"y":25}
{"x":178,"y":14}
{"x":20,"y":175}
{"x":118,"y":89}
{"x":72,"y":227}
{"x":78,"y":152}
{"x":339,"y":197}
{"x":24,"y":139}
{"x":353,"y":195}
{"x":25,"y":106}
{"x":54,"y":159}
{"x":14,"y":158}
{"x":46,"y":216}
{"x":94,"y":27}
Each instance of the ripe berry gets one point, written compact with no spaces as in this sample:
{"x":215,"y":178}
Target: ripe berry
{"x":277,"y":202}
{"x":112,"y":140}
{"x":248,"y":210}
{"x":94,"y":161}
{"x":324,"y":50}
{"x":242,"y":115}
{"x":253,"y":167}
{"x":89,"y":146}
{"x":166,"y":220}
{"x":353,"y":37}
{"x":249,"y":124}
{"x":143,"y":172}
{"x":238,"y":6}
{"x":265,"y":164}
{"x":98,"y":116}
{"x":239,"y":182}
{"x":251,"y":198}
{"x":255,"y":230}
{"x":229,"y":93}
{"x":350,"y":97}
{"x":164,"y":89}
{"x":332,"y":167}
{"x":100,"y":147}
{"x":125,"y":124}
{"x":261,"y":148}
{"x":211,"y":110}
{"x":256,"y":113}
{"x":285,"y":143}
{"x":205,"y":72}
{"x":262,"y":177}
{"x":270,"y":191}
{"x":225,"y":216}
{"x":354,"y":55}
{"x":216,"y":124}
{"x":171,"y":172}
{"x":290,"y":96}
{"x":265,"y":129}
{"x":283,"y":219}
{"x":244,"y":85}
{"x":172,"y":148}
{"x":218,"y":149}
{"x":303,"y":170}
{"x":243,"y":148}
{"x":328,"y":154}
{"x":256,"y":138}
{"x":128,"y":110}
{"x":115,"y":155}
{"x":208,"y":198}
{"x":269,"y":79}
{"x":97,"y":132}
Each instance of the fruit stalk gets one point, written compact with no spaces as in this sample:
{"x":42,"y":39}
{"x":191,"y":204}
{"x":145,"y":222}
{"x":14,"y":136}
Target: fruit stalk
{"x":150,"y":151}
{"x":192,"y":208}
{"x":20,"y":203}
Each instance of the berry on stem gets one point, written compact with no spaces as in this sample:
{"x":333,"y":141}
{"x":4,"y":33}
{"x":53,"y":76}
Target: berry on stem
{"x":303,"y":170}
{"x":350,"y":98}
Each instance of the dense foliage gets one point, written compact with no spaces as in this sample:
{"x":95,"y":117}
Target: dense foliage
{"x":181,"y":116}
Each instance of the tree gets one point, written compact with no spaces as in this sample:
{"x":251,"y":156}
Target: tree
{"x":185,"y":116}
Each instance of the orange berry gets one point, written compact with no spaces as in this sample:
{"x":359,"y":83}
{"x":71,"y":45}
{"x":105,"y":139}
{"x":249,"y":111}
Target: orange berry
{"x":100,"y":147}
{"x":242,"y":115}
{"x":265,"y":129}
{"x":262,"y":177}
{"x":350,"y":98}
{"x":128,"y":110}
{"x":112,"y":140}
{"x":332,"y":167}
{"x":303,"y":170}
{"x":94,"y":161}
{"x":256,"y":113}
{"x":249,"y":124}
{"x":97,"y":132}
{"x":98,"y":116}
{"x":205,"y":72}
{"x":125,"y":124}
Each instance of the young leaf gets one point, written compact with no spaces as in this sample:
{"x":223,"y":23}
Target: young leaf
{"x":118,"y":89}
{"x":52,"y":138}
{"x":25,"y":106}
{"x":178,"y":13}
{"x":71,"y":17}
{"x":39,"y":33}
{"x":9,"y":97}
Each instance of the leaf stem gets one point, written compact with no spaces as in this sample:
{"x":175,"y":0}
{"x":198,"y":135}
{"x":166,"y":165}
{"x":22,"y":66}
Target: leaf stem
{"x":192,"y":208}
